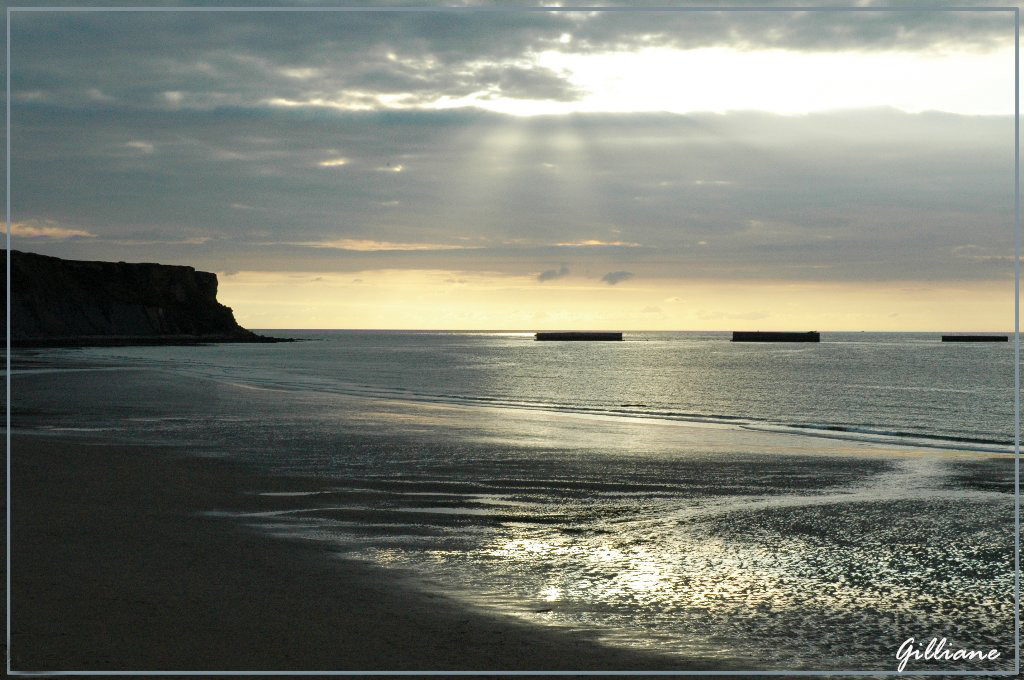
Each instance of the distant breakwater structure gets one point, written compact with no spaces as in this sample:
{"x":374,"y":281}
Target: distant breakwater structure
{"x":578,"y":336}
{"x":73,"y":303}
{"x":975,"y":338}
{"x":775,"y":336}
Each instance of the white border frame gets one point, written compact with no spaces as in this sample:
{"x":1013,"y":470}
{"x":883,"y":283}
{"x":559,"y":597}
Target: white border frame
{"x":493,"y":9}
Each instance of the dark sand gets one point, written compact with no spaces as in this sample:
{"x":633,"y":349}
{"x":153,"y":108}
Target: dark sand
{"x":115,"y":567}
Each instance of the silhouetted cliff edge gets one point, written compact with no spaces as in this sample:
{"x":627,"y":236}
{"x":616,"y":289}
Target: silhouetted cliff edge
{"x":73,"y":302}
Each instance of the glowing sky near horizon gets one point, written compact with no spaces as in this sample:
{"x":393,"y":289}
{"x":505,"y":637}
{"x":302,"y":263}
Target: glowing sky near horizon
{"x":445,"y":300}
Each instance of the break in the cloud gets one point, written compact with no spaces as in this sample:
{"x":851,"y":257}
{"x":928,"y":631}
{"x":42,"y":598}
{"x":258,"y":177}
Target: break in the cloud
{"x":729,"y":146}
{"x":593,"y":242}
{"x":371,"y":246}
{"x":35,"y":229}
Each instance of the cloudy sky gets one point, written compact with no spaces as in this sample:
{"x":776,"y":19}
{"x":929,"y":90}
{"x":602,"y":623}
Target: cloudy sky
{"x":531,"y":170}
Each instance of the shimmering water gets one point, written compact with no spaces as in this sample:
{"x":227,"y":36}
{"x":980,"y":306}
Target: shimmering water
{"x":785,"y":506}
{"x":866,"y":385}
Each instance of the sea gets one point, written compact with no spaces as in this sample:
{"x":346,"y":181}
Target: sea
{"x":804,"y":506}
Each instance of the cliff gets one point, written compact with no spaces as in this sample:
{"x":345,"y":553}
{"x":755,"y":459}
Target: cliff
{"x":72,"y":302}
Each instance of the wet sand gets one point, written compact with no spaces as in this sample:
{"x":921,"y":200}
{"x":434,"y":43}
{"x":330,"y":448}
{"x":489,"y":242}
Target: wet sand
{"x":158,"y":527}
{"x":115,"y":567}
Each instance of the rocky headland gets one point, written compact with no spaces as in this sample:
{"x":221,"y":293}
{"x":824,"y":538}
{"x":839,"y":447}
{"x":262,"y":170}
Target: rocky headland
{"x":57,"y":302}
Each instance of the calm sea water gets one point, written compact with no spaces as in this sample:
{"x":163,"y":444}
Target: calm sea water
{"x":787,"y":506}
{"x":882,"y":386}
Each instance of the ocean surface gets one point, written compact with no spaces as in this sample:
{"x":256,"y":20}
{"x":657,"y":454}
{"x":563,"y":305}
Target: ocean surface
{"x":879,"y":386}
{"x":778,"y":505}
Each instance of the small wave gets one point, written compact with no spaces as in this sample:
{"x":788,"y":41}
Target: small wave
{"x":867,"y":433}
{"x":901,"y":433}
{"x":892,"y":437}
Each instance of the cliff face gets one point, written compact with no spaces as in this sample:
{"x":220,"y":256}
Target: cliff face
{"x":65,"y":301}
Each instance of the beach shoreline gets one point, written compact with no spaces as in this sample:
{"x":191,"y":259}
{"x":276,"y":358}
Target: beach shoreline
{"x":117,"y":566}
{"x":167,"y":521}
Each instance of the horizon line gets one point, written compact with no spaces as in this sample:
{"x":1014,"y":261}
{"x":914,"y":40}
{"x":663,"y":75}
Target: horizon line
{"x":634,"y":330}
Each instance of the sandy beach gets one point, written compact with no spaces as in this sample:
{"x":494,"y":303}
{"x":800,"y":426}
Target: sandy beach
{"x":164,"y":521}
{"x":116,"y":568}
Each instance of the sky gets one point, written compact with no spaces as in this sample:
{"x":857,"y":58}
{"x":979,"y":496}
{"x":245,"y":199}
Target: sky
{"x":532,"y":170}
